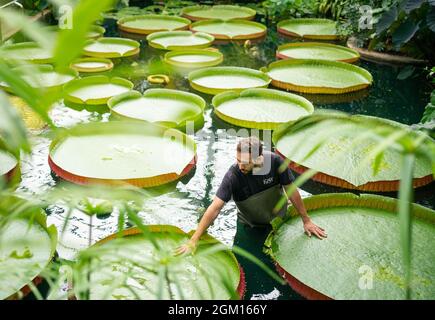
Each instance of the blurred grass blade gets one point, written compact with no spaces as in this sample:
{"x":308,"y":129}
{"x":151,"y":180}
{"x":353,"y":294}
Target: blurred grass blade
{"x":70,"y":42}
{"x":32,"y":29}
{"x":405,"y":216}
{"x":259,"y":263}
{"x":12,"y":128}
{"x":21,"y":88}
{"x":304,"y":177}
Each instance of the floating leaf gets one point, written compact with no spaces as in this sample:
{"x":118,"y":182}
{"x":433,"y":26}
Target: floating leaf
{"x":351,"y":263}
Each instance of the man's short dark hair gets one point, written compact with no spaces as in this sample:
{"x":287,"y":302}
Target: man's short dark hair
{"x":252,"y":145}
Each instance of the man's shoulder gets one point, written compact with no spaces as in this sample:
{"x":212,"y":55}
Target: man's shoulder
{"x":232,"y":171}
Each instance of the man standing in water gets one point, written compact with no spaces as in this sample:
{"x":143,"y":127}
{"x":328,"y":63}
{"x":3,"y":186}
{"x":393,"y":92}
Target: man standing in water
{"x":256,"y":184}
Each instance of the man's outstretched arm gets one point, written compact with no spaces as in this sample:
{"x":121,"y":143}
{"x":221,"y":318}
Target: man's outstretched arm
{"x":309,"y":226}
{"x":207,"y":219}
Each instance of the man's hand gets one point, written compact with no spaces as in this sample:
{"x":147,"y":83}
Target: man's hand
{"x":189,"y":247}
{"x":311,"y":228}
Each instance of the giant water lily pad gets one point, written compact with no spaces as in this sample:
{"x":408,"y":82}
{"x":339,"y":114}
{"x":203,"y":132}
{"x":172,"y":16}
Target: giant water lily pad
{"x":318,"y":76}
{"x":222,"y":12}
{"x":215,"y":80}
{"x":111,"y":48}
{"x":94,"y":32}
{"x":132,"y":267}
{"x":351,"y":145}
{"x":232,"y":29}
{"x":42,"y":77}
{"x":27,"y":51}
{"x":141,"y":154}
{"x":91,"y":65}
{"x":27,"y":246}
{"x":171,"y":108}
{"x":260,"y":108}
{"x":316,"y":50}
{"x":178,"y":40}
{"x":193,"y":58}
{"x":95,"y":90}
{"x":361,"y":258}
{"x":7,"y":163}
{"x":147,"y":24}
{"x":320,"y":29}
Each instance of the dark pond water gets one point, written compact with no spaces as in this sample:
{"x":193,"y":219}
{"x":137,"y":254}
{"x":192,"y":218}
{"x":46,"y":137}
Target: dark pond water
{"x":184,"y":204}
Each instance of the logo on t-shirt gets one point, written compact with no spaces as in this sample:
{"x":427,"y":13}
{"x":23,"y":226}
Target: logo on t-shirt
{"x":268,"y":180}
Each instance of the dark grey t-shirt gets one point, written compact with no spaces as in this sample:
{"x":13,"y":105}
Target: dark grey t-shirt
{"x":240,"y":186}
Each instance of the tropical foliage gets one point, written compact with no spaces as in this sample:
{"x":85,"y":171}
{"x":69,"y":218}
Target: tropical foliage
{"x":404,"y":26}
{"x":429,"y":112}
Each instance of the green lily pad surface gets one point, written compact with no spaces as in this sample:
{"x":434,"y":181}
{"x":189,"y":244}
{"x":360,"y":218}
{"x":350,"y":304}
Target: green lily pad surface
{"x":94,"y":32}
{"x":27,"y":51}
{"x":315,"y":50}
{"x":193,"y":58}
{"x":231,"y":29}
{"x":42,"y":77}
{"x":90,"y":65}
{"x":7,"y":163}
{"x":179,"y":40}
{"x":138,"y":153}
{"x":318,"y":76}
{"x":309,"y":28}
{"x":147,"y":24}
{"x":223,"y":12}
{"x":137,"y":260}
{"x":96,"y":90}
{"x":260,"y":108}
{"x":111,"y":48}
{"x":168,"y":107}
{"x":361,"y":257}
{"x":215,"y":80}
{"x":341,"y":146}
{"x":27,"y":245}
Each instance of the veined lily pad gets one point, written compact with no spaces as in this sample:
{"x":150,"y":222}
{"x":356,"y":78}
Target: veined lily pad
{"x":178,"y":40}
{"x":42,"y":77}
{"x":147,"y":24}
{"x":260,"y":108}
{"x":27,"y":246}
{"x":351,"y":145}
{"x":194,"y":58}
{"x":7,"y":164}
{"x":361,"y":258}
{"x":170,"y":108}
{"x":26,"y":51}
{"x":318,"y":76}
{"x":111,"y":48}
{"x":215,"y":80}
{"x":141,"y":154}
{"x":316,"y":50}
{"x":91,"y":65}
{"x":320,"y":29}
{"x":222,"y":12}
{"x":128,"y":268}
{"x":95,"y":90}
{"x":231,"y":29}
